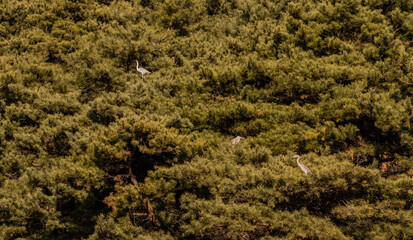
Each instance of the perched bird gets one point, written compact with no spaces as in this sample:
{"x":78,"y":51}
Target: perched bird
{"x":302,"y":166}
{"x":236,"y":140}
{"x":143,"y":71}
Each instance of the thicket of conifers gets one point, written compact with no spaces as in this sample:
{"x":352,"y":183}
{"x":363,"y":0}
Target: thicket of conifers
{"x":91,"y":150}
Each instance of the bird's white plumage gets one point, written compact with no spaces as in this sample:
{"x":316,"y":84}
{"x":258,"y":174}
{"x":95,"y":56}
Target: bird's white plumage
{"x":143,"y":71}
{"x":236,"y":140}
{"x":303,"y":167}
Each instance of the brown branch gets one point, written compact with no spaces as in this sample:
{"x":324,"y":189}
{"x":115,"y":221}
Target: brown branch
{"x":404,"y":81}
{"x":151,"y":215}
{"x":130,"y":172}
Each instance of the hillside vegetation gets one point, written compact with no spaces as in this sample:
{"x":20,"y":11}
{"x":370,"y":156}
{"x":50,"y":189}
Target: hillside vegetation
{"x":90,"y":149}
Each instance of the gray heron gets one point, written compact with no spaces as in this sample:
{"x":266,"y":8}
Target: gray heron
{"x":143,"y":71}
{"x":302,"y":166}
{"x":236,"y":140}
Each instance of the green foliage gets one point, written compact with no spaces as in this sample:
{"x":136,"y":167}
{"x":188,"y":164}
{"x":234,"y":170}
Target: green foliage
{"x":90,"y":149}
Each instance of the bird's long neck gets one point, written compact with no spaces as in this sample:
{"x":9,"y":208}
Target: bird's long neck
{"x":298,"y":160}
{"x":137,"y":64}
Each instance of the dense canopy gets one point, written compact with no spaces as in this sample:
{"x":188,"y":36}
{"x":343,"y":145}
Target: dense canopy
{"x":92,"y":149}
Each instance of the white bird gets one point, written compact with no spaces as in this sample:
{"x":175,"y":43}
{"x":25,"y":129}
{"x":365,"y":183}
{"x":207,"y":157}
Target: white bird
{"x":302,"y":166}
{"x":236,"y":140}
{"x":143,"y":71}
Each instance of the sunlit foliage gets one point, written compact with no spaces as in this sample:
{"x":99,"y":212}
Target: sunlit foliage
{"x":90,"y":149}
